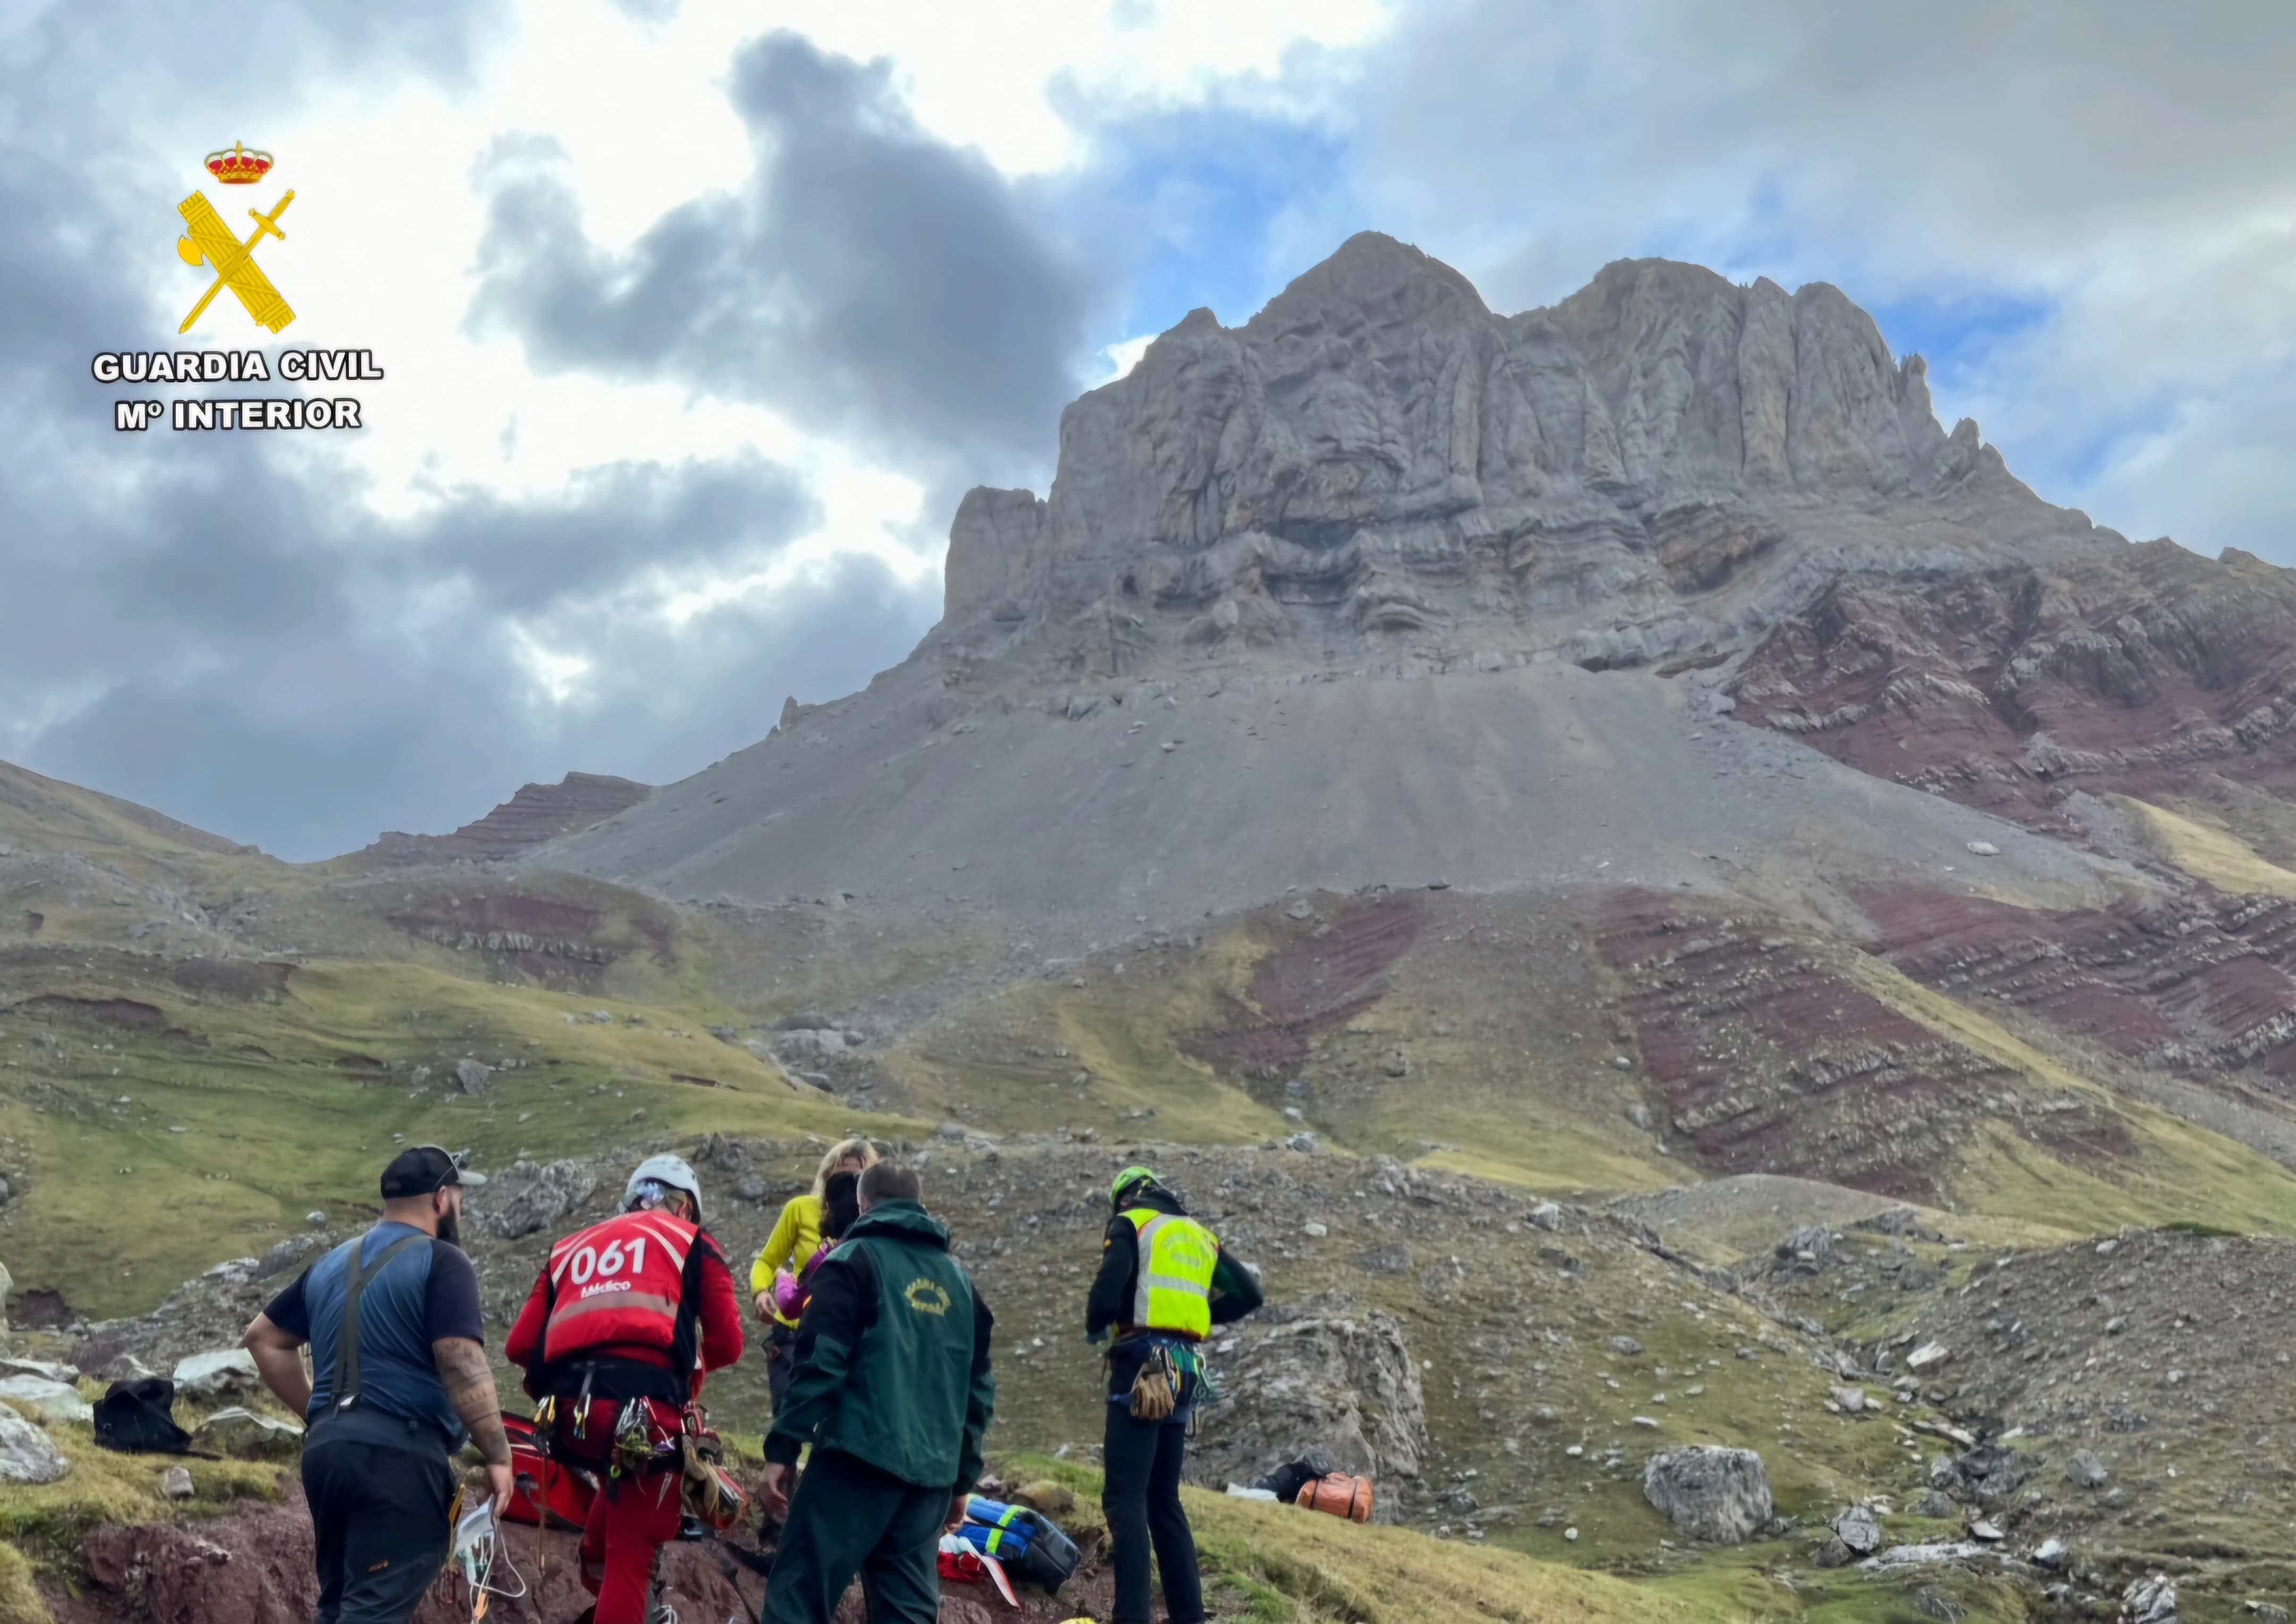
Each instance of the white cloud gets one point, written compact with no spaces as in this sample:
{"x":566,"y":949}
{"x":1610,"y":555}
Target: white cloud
{"x":1123,"y":357}
{"x":985,"y":75}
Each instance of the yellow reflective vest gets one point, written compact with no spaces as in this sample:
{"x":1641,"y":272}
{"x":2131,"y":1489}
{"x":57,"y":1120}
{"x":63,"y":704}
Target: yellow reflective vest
{"x":1173,"y":1288}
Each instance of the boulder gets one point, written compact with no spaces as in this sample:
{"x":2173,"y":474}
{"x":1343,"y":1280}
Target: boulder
{"x":205,"y":1377}
{"x":8,"y":1285}
{"x":287,"y":1254}
{"x":245,"y":1435}
{"x":527,"y":1197}
{"x":1331,"y":1374}
{"x":1808,"y":1244}
{"x":50,"y":1399}
{"x":176,"y":1483}
{"x":1709,"y":1492}
{"x":46,"y":1368}
{"x":2151,"y":1599}
{"x":472,"y":1076}
{"x":26,"y":1454}
{"x":1860,"y":1529}
{"x":2084,"y":1470}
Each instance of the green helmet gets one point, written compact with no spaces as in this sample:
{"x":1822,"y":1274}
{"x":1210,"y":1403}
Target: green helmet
{"x":1131,"y":1176}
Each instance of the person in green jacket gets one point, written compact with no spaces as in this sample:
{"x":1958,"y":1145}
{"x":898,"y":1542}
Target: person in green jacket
{"x":893,"y":1390}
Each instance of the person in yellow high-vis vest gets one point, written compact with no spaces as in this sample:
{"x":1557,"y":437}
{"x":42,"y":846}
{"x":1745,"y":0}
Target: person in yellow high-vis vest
{"x":1164,"y":1282}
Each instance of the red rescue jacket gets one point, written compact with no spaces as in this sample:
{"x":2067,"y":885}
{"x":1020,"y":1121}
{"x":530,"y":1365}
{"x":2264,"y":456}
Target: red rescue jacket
{"x":612,"y":1292}
{"x":618,"y":1284}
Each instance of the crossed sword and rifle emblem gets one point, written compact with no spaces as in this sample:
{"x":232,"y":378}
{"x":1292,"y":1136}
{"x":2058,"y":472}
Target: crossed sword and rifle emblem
{"x":234,"y":261}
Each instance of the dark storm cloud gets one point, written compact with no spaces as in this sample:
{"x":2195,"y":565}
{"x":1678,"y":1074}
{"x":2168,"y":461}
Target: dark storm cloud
{"x":286,"y":670}
{"x":869,"y":279}
{"x":311,"y":745}
{"x":525,"y":556}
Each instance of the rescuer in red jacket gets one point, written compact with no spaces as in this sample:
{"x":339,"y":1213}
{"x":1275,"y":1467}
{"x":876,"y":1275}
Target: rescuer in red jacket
{"x":627,"y":1319}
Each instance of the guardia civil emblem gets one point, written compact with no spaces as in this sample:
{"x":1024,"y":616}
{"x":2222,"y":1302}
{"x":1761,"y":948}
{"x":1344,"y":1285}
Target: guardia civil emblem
{"x":210,"y":242}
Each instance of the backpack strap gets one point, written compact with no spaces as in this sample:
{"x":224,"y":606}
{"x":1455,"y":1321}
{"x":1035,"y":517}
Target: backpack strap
{"x":685,"y":1340}
{"x":346,"y":1347}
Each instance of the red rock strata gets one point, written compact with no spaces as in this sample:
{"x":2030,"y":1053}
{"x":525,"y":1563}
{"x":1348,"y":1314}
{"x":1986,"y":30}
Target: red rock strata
{"x":1773,"y":1061}
{"x":2126,"y":670}
{"x":1316,"y":984}
{"x":538,"y":812}
{"x":2205,"y":983}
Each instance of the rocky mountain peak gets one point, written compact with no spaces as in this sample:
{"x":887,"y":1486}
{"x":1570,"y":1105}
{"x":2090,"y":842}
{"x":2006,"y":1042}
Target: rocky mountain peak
{"x":1377,"y":470}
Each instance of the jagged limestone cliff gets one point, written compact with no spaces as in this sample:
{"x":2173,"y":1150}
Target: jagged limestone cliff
{"x":1377,"y":470}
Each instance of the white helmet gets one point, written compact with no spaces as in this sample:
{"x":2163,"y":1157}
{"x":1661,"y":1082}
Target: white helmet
{"x":670,"y":1172}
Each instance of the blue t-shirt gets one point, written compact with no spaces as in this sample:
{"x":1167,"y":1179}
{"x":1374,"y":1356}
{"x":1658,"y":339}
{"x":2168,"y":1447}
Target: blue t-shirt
{"x":428,"y":1292}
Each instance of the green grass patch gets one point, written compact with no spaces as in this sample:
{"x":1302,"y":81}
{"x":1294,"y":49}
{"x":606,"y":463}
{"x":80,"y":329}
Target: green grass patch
{"x":1525,"y":1146}
{"x":1294,"y":1565}
{"x":222,"y":1148}
{"x":1122,"y":1034}
{"x":44,"y":1523}
{"x":20,"y":1601}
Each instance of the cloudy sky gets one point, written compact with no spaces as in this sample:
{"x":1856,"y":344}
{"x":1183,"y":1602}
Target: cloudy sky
{"x":698,"y":317}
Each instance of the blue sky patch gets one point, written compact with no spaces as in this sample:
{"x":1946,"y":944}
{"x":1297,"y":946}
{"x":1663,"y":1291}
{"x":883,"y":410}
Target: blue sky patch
{"x":1191,"y":201}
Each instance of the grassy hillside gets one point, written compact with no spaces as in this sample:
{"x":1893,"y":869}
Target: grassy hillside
{"x":1491,"y":1042}
{"x":50,"y":816}
{"x":150,"y":1130}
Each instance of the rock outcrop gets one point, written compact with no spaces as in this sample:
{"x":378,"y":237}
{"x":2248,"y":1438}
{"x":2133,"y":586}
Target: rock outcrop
{"x":1376,"y":460}
{"x":2144,"y":670}
{"x":1711,"y":1493}
{"x":527,"y":1197}
{"x":26,"y":1454}
{"x":536,"y":813}
{"x":1328,"y":1376}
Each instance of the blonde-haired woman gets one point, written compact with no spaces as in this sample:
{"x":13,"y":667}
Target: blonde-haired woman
{"x":792,"y":1243}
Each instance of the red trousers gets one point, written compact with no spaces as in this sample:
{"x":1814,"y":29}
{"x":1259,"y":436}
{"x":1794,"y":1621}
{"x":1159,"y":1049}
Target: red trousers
{"x":630,"y":1521}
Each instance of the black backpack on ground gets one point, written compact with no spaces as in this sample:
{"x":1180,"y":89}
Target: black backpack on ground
{"x":138,"y":1418}
{"x":1288,"y":1480}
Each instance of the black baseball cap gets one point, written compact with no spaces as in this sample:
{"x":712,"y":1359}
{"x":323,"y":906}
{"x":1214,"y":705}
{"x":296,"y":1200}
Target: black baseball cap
{"x":421,"y":1168}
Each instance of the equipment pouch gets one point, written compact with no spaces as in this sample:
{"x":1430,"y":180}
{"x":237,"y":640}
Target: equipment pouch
{"x":1156,"y":1390}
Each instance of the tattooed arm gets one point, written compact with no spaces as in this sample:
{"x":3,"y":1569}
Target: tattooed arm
{"x":471,"y":1389}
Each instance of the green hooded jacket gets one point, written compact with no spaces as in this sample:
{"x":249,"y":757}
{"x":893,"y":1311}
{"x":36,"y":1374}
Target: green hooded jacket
{"x":892,"y":1355}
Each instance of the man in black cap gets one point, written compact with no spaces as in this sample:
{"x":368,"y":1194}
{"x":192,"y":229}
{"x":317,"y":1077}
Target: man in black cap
{"x":396,"y":1346}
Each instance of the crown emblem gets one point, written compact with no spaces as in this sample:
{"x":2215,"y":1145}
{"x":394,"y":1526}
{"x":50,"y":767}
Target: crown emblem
{"x":239,"y":167}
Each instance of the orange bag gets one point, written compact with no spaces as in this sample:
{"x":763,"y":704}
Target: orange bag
{"x":1341,"y":1495}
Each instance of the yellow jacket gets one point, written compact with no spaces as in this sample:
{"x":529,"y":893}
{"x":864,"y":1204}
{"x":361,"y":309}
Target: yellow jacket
{"x":792,"y":1243}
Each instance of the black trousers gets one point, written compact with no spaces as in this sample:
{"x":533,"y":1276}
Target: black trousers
{"x":1140,"y":1491}
{"x":380,"y":1517}
{"x":847,"y":1519}
{"x":781,"y":1365}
